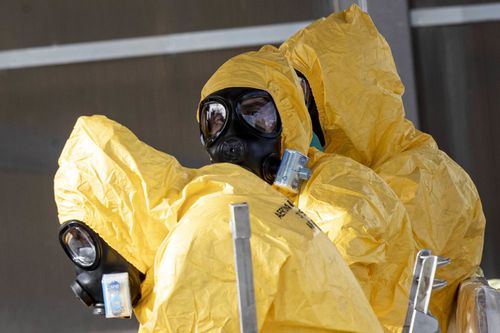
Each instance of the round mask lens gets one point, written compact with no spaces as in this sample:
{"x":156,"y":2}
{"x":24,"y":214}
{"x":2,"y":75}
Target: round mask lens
{"x":213,"y":118}
{"x":80,"y":246}
{"x":259,"y":112}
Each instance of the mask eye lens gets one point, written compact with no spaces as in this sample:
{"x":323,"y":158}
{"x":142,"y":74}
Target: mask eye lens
{"x":259,"y":112}
{"x":80,"y":246}
{"x":213,"y":119}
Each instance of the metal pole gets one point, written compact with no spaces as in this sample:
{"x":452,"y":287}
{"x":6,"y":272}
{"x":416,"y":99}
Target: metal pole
{"x":339,"y":5}
{"x":240,"y":229}
{"x":418,"y":318}
{"x":363,"y":4}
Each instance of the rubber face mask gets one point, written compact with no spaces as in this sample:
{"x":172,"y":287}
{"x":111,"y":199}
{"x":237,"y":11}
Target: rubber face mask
{"x":103,"y":276}
{"x":242,"y":126}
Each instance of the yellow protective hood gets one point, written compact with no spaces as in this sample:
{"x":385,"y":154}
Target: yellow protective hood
{"x":354,"y":81}
{"x":118,"y":186}
{"x":268,"y":70}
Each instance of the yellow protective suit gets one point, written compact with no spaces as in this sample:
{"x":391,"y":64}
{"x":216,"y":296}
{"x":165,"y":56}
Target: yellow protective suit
{"x":357,"y":91}
{"x":350,"y":202}
{"x":172,"y":223}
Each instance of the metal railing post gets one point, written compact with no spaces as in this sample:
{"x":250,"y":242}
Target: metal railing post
{"x":240,"y":230}
{"x":418,"y":318}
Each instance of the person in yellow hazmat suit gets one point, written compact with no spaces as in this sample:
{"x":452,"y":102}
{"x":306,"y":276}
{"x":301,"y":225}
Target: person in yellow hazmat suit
{"x":125,"y":207}
{"x":252,"y":113}
{"x":357,"y":93}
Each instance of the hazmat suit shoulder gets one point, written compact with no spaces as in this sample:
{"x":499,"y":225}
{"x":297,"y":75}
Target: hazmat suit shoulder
{"x":369,"y":225}
{"x":357,"y":90}
{"x":300,"y":279}
{"x":350,"y":202}
{"x":171,"y":223}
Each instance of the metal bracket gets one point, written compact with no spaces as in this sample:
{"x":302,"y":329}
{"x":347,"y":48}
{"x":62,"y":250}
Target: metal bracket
{"x":240,"y":230}
{"x":418,"y":318}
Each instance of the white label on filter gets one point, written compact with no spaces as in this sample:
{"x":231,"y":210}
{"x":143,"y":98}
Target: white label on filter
{"x":116,"y":294}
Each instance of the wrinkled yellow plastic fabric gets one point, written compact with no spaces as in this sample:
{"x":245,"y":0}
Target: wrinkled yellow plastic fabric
{"x":350,"y":202}
{"x":445,"y":212}
{"x":355,"y":85}
{"x":302,"y":284}
{"x":369,"y":224}
{"x":358,"y":94}
{"x":110,"y":180}
{"x":172,"y":223}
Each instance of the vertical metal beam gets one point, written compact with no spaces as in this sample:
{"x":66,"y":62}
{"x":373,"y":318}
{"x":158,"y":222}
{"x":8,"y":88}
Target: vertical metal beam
{"x":240,"y":229}
{"x":363,"y":4}
{"x":338,"y":5}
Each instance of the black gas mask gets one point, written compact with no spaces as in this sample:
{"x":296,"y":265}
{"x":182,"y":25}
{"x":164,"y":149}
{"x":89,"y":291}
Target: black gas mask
{"x":104,"y":279}
{"x":242,"y":126}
